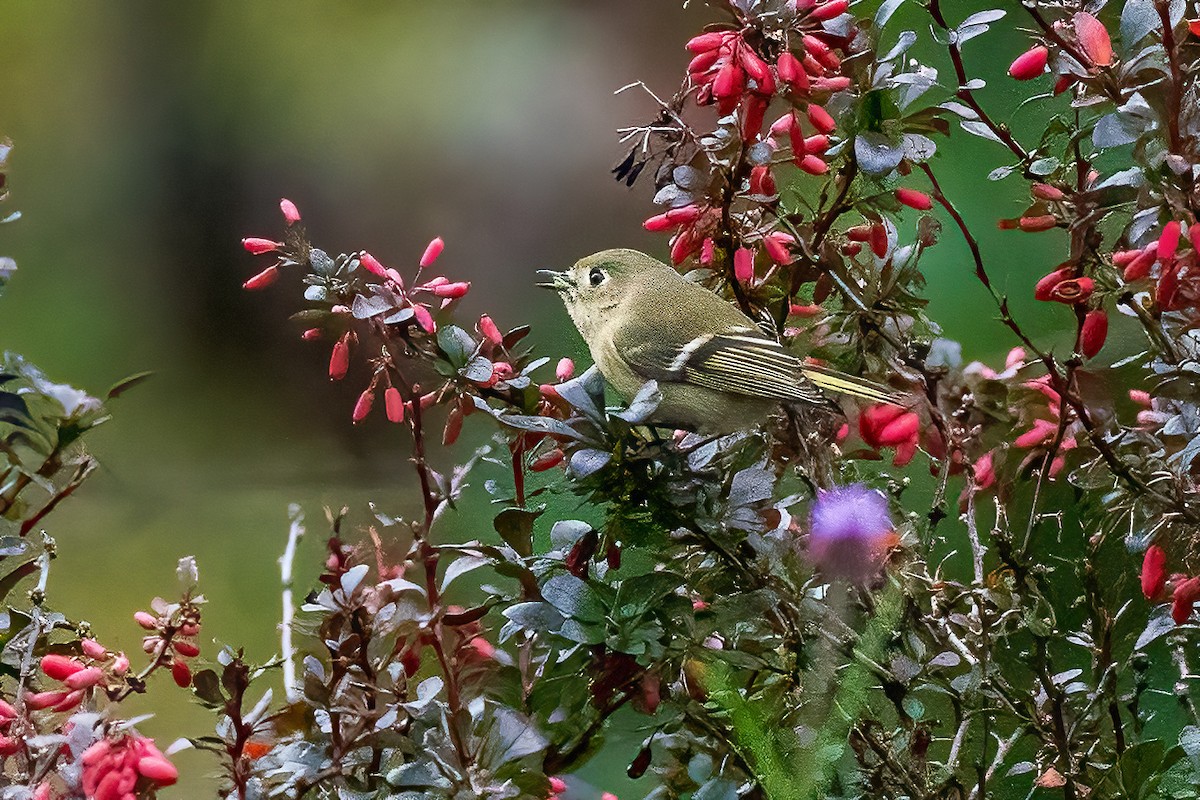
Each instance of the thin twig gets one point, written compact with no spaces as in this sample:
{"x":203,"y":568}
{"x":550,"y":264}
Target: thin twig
{"x":295,"y":533}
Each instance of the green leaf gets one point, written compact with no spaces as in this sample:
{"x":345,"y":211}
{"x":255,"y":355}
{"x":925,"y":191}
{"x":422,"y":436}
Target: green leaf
{"x":207,"y":688}
{"x":457,"y":344}
{"x":574,"y":598}
{"x":10,"y":581}
{"x":120,"y":387}
{"x":515,"y":526}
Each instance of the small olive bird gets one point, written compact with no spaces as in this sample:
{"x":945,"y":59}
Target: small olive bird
{"x":717,"y":371}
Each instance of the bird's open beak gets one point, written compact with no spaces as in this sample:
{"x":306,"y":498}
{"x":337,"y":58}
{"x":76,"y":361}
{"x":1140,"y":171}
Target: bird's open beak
{"x":558,"y":281}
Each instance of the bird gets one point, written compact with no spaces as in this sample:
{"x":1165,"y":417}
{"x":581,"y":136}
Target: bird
{"x":716,"y":370}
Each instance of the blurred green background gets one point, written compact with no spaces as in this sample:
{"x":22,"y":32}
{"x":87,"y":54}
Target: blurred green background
{"x":150,"y":137}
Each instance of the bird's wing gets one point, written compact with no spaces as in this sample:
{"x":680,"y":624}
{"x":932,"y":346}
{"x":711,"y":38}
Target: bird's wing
{"x":738,"y":363}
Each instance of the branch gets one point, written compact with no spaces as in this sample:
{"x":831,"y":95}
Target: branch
{"x":295,"y":532}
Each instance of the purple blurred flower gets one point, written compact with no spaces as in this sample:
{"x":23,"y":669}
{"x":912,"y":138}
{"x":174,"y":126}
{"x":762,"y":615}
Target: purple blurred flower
{"x":850,"y":532}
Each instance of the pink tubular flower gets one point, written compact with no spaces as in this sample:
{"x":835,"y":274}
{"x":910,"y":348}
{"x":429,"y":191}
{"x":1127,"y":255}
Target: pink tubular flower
{"x":451,"y":291}
{"x":549,"y":460}
{"x":914,"y":199}
{"x":84,"y":678}
{"x":112,"y":766}
{"x":891,"y":426}
{"x":557,"y":785}
{"x":1030,"y":64}
{"x":263,"y":279}
{"x":1093,"y":332}
{"x":1184,"y":598}
{"x":821,"y":119}
{"x":432,"y":251}
{"x":1037,"y":224}
{"x":743,"y":265}
{"x":565,"y":369}
{"x":1154,"y":573}
{"x":393,"y":404}
{"x":1168,"y":241}
{"x":339,"y":361}
{"x":830,"y":9}
{"x":371,"y":264}
{"x":850,"y":532}
{"x":93,"y":649}
{"x":40,"y":700}
{"x":363,"y":406}
{"x":259,"y":246}
{"x":424,"y":318}
{"x":776,"y":246}
{"x":489,"y":330}
{"x":291,"y":214}
{"x":60,"y":667}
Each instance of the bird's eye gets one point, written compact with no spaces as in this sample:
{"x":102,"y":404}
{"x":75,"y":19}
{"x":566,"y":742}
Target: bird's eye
{"x":596,"y":276}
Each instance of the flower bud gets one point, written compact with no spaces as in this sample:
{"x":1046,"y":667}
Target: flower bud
{"x":1093,"y":332}
{"x":259,"y":246}
{"x":393,"y":404}
{"x":1141,"y":397}
{"x":658,"y":223}
{"x":120,"y":665}
{"x":70,"y":701}
{"x":423,"y":317}
{"x":181,"y":673}
{"x":1154,"y":573}
{"x":454,"y":421}
{"x":820,"y":119}
{"x":547,"y":460}
{"x":93,"y":649}
{"x":363,"y":407}
{"x":1044,"y":191}
{"x":790,"y":71}
{"x":40,"y":700}
{"x":263,"y":279}
{"x":914,"y":199}
{"x":557,"y":785}
{"x":339,"y":360}
{"x":1030,"y":64}
{"x":291,"y":214}
{"x":762,"y":182}
{"x":707,"y":251}
{"x":85,"y":678}
{"x":776,"y":246}
{"x":703,"y":43}
{"x":1183,"y":600}
{"x":743,"y":265}
{"x":452,"y":291}
{"x":371,"y":264}
{"x":728,"y":83}
{"x":489,"y":330}
{"x":813,"y":165}
{"x":186,"y":649}
{"x":879,"y":240}
{"x":1168,"y":241}
{"x":60,"y":667}
{"x":146,"y":620}
{"x":432,"y":251}
{"x":157,"y":769}
{"x":818,"y":143}
{"x":702,"y":62}
{"x":1140,"y":266}
{"x":1043,"y":222}
{"x":565,"y":369}
{"x":830,"y":9}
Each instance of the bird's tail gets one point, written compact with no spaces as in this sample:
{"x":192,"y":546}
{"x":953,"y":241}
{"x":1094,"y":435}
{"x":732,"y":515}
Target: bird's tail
{"x":833,"y":381}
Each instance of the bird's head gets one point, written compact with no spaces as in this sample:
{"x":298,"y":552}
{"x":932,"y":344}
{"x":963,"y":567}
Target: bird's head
{"x":597,"y":284}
